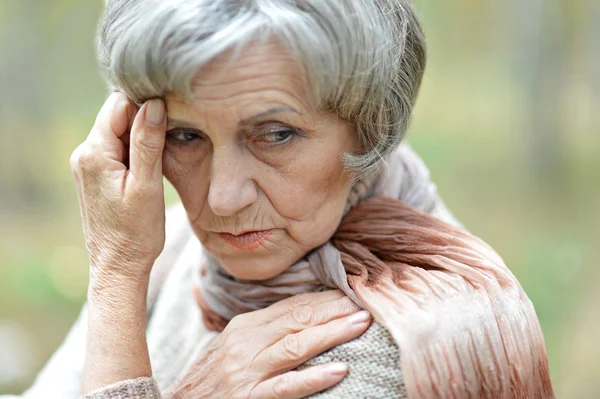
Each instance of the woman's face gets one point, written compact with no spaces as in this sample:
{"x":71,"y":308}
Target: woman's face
{"x":259,"y":170}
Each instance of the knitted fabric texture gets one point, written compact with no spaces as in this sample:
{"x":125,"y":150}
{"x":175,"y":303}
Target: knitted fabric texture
{"x":138,"y":388}
{"x":373,"y":375}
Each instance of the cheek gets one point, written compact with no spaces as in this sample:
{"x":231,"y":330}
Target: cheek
{"x":189,"y":177}
{"x":313,"y":196}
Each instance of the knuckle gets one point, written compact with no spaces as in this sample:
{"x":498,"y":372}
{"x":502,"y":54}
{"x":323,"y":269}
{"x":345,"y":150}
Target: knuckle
{"x":148,"y":142}
{"x":292,"y":347}
{"x":74,"y":160}
{"x":233,"y":324}
{"x":348,"y":305}
{"x":300,"y":300}
{"x":149,"y":146}
{"x":230,"y":370}
{"x":303,"y":315}
{"x":120,"y":97}
{"x":282,"y":387}
{"x":313,"y":381}
{"x":238,"y":321}
{"x":232,"y":350}
{"x":81,"y":158}
{"x":111,"y":102}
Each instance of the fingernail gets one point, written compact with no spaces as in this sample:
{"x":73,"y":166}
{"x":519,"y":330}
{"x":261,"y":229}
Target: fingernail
{"x":360,"y":317}
{"x":155,"y":112}
{"x":337,"y":368}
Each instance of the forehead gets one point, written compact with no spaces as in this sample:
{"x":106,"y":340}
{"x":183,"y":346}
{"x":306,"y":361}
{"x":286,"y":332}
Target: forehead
{"x":264,"y":70}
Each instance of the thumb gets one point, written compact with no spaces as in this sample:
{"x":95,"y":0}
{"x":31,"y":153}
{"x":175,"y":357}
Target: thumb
{"x":147,"y":141}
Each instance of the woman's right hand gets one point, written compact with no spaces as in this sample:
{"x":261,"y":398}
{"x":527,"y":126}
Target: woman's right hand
{"x":253,"y":357}
{"x":118,"y":175}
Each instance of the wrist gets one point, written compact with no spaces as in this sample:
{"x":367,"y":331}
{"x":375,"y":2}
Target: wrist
{"x":118,"y":266}
{"x":116,"y":333}
{"x":112,"y":299}
{"x":111,"y":283}
{"x":116,"y":348}
{"x":115,"y":299}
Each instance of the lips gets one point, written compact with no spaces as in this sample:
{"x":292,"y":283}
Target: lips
{"x":246,"y":241}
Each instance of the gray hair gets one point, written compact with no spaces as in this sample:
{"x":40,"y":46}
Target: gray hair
{"x":364,"y":59}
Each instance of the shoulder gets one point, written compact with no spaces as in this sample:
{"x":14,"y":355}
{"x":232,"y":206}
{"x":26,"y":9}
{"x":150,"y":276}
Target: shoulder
{"x":373,"y":360}
{"x":407,"y":178}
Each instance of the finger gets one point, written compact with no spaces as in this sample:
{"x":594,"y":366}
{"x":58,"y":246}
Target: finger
{"x":295,"y":349}
{"x":115,"y":117}
{"x":307,"y":316}
{"x":112,"y":126}
{"x":147,"y":141}
{"x":288,"y":305}
{"x":300,"y":384}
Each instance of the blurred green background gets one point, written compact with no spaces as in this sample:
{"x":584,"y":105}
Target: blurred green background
{"x":508,"y":121}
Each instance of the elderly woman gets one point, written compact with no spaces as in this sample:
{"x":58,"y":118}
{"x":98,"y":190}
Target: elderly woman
{"x":279,"y":124}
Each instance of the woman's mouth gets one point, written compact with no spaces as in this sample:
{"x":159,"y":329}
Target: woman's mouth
{"x":246,"y":240}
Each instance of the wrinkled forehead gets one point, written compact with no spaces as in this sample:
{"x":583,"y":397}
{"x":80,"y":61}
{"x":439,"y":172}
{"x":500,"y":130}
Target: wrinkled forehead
{"x":263,"y":68}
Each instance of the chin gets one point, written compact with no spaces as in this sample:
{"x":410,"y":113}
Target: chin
{"x":257,"y":267}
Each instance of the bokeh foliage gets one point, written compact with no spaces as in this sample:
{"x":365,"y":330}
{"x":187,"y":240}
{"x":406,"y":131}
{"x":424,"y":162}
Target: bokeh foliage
{"x":506,"y":121}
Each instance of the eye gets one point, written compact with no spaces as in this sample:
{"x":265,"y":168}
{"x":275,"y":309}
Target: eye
{"x":280,"y":136}
{"x":277,"y":135}
{"x":182,"y":137}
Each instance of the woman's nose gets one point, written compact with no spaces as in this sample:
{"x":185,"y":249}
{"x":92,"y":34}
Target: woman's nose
{"x":230,"y":188}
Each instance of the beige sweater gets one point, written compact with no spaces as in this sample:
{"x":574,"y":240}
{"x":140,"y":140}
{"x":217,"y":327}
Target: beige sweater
{"x":175,"y":333}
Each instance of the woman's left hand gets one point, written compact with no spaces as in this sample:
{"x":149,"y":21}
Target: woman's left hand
{"x":254,"y":357}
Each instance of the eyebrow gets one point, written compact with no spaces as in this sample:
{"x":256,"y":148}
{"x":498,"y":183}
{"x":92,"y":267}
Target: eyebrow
{"x":264,"y":114}
{"x":174,"y":122}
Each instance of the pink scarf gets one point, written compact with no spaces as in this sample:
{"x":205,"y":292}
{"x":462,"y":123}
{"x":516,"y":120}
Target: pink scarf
{"x":463,"y":324}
